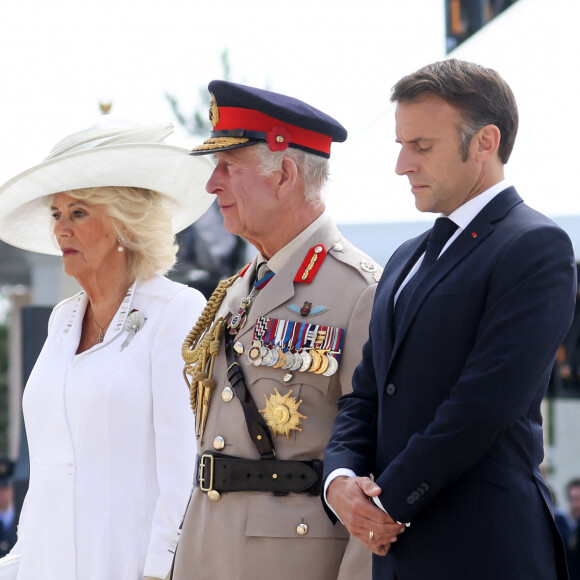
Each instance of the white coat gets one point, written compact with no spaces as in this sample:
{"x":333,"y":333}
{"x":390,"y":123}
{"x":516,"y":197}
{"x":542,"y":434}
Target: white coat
{"x":111,"y":442}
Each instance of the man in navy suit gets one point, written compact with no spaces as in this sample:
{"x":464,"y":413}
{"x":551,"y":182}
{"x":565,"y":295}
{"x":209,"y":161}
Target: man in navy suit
{"x":445,"y":411}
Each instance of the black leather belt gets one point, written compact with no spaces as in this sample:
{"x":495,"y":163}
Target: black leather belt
{"x":224,"y":473}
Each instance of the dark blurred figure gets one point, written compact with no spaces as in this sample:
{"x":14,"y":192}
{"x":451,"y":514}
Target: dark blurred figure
{"x":208,"y":253}
{"x":7,"y":515}
{"x":565,"y":379}
{"x":573,"y":542}
{"x":563,"y":521}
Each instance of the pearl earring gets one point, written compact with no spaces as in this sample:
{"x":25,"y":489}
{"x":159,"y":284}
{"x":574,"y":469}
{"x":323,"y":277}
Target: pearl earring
{"x":120,"y":247}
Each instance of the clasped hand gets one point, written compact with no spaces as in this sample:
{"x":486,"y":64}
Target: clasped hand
{"x":351,"y":499}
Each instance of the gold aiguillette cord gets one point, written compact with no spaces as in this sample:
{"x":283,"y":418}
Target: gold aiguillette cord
{"x":199,"y":350}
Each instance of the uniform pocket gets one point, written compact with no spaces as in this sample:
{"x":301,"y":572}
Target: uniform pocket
{"x":290,"y":516}
{"x":291,"y":537}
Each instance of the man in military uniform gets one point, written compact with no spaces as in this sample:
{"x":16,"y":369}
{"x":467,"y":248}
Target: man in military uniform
{"x":274,"y":350}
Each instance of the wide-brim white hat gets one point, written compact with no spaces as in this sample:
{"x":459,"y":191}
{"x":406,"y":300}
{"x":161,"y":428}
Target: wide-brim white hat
{"x":107,"y":154}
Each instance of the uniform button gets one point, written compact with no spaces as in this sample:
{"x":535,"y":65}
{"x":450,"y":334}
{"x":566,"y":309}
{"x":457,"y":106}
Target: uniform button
{"x":302,"y":529}
{"x":214,"y":495}
{"x":227,"y":394}
{"x":391,"y":389}
{"x":219,"y":443}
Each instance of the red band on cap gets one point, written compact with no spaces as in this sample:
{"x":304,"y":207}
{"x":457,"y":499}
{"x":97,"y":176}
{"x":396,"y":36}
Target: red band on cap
{"x":232,"y":118}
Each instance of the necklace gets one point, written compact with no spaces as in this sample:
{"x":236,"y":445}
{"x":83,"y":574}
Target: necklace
{"x":102,"y":330}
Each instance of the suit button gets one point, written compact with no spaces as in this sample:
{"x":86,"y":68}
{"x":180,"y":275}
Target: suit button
{"x":227,"y":394}
{"x":391,"y":389}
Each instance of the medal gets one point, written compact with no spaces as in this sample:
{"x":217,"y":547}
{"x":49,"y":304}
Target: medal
{"x":274,"y":356}
{"x":238,"y":320}
{"x":306,"y":361}
{"x":281,"y":359}
{"x":281,"y":413}
{"x":255,"y":353}
{"x":323,"y":364}
{"x":267,"y":359}
{"x":332,"y":366}
{"x":297,"y":362}
{"x":316,"y":361}
{"x":289,"y":360}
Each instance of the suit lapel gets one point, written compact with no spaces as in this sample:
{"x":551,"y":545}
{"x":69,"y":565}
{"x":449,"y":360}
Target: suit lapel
{"x":468,"y":241}
{"x":382,"y":320}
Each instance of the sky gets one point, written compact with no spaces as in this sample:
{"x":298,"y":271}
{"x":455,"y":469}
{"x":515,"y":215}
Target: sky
{"x":59,"y":59}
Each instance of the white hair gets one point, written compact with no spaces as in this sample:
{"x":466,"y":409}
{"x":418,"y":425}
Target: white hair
{"x":313,"y":169}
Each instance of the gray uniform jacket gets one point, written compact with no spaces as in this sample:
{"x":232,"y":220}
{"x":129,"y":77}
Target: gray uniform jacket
{"x":258,"y":535}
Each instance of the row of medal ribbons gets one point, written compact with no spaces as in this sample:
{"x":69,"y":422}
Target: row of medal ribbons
{"x":295,"y":346}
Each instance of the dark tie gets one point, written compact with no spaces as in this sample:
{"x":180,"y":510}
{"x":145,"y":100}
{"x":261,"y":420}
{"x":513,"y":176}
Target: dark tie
{"x":440,"y":234}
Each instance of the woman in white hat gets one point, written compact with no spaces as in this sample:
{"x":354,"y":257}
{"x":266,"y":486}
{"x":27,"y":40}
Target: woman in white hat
{"x":109,"y":428}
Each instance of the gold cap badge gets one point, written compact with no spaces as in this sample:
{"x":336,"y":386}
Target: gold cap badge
{"x":214,"y":114}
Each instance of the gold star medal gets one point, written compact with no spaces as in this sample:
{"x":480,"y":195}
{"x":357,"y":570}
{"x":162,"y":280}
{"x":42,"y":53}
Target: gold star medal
{"x":281,"y":413}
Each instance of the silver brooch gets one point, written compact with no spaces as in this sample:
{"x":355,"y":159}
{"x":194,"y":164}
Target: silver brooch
{"x":133,"y":325}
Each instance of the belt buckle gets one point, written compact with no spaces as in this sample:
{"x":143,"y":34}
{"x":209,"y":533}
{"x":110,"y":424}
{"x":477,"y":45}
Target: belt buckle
{"x":202,"y":472}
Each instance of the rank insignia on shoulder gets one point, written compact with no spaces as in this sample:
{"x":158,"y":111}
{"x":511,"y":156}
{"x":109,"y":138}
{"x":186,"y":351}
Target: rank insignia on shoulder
{"x":371,"y":268}
{"x":311,"y":264}
{"x":307,"y":309}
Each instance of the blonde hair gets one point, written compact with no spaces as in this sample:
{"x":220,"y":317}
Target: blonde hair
{"x":142,"y":224}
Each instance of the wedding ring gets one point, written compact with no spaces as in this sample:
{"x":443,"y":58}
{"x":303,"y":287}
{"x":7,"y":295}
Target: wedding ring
{"x":371,"y":535}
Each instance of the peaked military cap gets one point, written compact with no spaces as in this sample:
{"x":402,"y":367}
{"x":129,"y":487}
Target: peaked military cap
{"x":243,"y":116}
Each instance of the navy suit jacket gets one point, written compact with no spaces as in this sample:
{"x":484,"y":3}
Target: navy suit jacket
{"x":446,"y":414}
